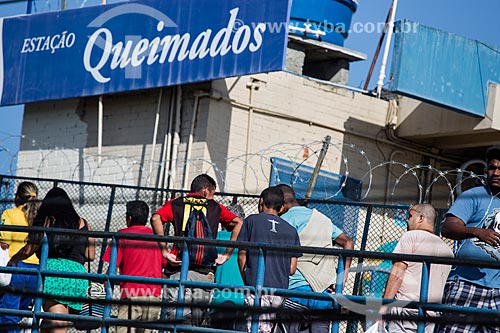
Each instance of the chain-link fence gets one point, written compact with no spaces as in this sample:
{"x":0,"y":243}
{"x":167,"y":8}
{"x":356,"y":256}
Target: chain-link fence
{"x":371,"y":227}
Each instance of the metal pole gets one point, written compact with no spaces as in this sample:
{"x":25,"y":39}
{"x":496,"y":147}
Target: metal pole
{"x":424,"y":290}
{"x":109,"y":287}
{"x":179,"y":311}
{"x":108,"y":224}
{"x":100,"y":116}
{"x":339,"y":288}
{"x":155,"y":134}
{"x":167,"y":143}
{"x":29,"y":6}
{"x":381,"y":77}
{"x":317,"y":169}
{"x":377,"y":51}
{"x":194,"y":115}
{"x":259,"y":283}
{"x":37,"y":306}
{"x":364,"y":240}
{"x":100,"y":112}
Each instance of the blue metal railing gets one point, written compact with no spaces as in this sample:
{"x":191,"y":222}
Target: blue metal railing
{"x":338,"y":299}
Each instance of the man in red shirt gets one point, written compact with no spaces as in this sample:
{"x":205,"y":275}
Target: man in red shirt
{"x":138,"y":258}
{"x":202,"y":192}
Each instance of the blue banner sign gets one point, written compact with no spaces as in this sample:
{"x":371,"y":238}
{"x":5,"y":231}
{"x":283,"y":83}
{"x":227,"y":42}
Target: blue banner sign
{"x":137,"y":45}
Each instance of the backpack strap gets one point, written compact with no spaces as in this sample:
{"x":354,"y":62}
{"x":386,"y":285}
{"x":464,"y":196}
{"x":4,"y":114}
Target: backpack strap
{"x":196,"y":225}
{"x":190,"y":204}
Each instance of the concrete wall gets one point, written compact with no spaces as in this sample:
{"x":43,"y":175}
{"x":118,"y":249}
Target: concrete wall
{"x":447,"y":128}
{"x":60,"y":139}
{"x":239,"y":124}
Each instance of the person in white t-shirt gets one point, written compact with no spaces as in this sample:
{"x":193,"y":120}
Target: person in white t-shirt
{"x":405,"y":278}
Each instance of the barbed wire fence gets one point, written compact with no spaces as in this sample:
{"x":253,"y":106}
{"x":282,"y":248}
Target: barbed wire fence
{"x":372,"y":227}
{"x":253,"y":170}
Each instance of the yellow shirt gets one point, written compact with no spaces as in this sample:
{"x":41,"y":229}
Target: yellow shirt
{"x":16,"y":240}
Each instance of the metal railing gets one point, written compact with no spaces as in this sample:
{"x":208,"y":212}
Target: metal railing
{"x":356,"y":306}
{"x":373,"y":227}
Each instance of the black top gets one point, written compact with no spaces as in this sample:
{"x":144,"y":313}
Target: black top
{"x":269,"y":229}
{"x":71,"y":247}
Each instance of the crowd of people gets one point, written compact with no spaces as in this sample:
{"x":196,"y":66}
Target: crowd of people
{"x":282,"y":221}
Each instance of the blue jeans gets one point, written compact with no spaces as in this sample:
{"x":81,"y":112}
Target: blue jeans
{"x":20,"y":282}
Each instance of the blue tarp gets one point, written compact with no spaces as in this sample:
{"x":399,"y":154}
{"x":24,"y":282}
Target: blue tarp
{"x":328,"y":184}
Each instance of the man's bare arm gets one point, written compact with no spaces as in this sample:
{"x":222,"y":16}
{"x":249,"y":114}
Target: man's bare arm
{"x":455,"y":228}
{"x":346,"y":243}
{"x":235,"y":224}
{"x":157,"y":226}
{"x":395,"y":279}
{"x":242,"y":260}
{"x":293,"y":265}
{"x":393,"y":283}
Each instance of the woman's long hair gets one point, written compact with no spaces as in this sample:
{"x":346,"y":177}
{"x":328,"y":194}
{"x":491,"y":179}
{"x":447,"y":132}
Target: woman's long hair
{"x":56,"y":211}
{"x":27,"y":196}
{"x":58,"y":208}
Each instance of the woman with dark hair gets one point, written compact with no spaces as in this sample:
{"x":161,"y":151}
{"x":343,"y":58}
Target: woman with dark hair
{"x":67,"y":253}
{"x":23,"y":214}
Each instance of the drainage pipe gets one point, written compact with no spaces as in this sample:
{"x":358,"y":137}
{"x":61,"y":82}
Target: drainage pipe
{"x":175,"y":140}
{"x":167,"y":142}
{"x":390,"y":29}
{"x":155,"y":134}
{"x":194,"y":115}
{"x":377,"y":51}
{"x":100,"y":116}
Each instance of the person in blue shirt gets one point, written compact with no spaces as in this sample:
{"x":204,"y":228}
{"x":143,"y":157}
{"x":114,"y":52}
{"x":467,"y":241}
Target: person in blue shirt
{"x":316,"y":230}
{"x":474,"y":220}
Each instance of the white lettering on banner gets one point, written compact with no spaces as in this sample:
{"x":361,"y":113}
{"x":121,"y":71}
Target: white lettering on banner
{"x":49,"y":43}
{"x":169,"y":47}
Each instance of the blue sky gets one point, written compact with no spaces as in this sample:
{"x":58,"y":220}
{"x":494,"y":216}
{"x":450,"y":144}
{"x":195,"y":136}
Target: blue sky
{"x":476,"y":19}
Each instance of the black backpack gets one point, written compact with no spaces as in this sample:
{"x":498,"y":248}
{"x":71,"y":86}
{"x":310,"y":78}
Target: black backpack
{"x":195,"y":225}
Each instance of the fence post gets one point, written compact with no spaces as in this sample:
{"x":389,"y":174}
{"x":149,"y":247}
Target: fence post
{"x":179,"y":312}
{"x":353,"y":326}
{"x":364,"y":239}
{"x":339,"y":288}
{"x":106,"y":228}
{"x":424,"y":290}
{"x":317,"y":168}
{"x":37,"y":307}
{"x":259,"y":282}
{"x":109,"y":287}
